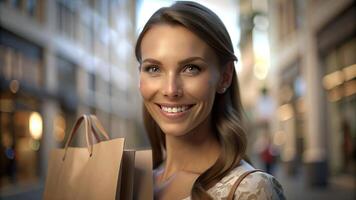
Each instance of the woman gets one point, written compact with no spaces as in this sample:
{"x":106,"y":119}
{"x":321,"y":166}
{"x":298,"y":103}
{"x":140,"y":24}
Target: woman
{"x":192,"y":109}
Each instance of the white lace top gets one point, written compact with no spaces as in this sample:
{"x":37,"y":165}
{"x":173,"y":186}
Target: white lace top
{"x":257,"y":186}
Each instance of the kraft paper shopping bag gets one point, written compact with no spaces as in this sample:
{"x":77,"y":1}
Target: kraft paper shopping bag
{"x":89,"y":173}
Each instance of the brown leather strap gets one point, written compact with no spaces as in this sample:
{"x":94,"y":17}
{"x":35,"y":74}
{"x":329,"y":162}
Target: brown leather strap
{"x":238,"y":181}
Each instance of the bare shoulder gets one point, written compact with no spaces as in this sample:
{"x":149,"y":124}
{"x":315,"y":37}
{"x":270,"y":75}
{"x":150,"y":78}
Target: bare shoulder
{"x":259,"y":185}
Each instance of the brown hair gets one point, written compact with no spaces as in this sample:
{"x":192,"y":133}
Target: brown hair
{"x":227,"y":109}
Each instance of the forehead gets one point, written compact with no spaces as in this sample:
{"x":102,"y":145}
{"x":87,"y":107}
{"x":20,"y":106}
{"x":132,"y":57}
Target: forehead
{"x":175,"y":42}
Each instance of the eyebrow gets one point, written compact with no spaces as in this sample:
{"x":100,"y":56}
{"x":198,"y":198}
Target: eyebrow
{"x":184,"y":61}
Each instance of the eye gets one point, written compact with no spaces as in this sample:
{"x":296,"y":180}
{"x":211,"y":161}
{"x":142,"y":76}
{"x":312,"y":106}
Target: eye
{"x":191,"y":69}
{"x":152,"y":69}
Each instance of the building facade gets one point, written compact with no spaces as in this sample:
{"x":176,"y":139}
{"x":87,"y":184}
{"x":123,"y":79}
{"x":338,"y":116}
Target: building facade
{"x":60,"y":59}
{"x":312,"y":77}
{"x":306,"y":36}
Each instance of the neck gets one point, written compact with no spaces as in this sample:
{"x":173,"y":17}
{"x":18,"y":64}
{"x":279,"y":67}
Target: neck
{"x":194,"y":152}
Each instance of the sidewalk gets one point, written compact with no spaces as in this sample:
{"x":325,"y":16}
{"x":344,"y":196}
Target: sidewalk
{"x":341,"y":187}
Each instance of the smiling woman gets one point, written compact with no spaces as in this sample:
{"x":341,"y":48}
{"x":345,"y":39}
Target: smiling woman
{"x":192,"y":108}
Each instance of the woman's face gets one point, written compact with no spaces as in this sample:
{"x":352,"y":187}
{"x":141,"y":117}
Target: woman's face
{"x":179,"y":77}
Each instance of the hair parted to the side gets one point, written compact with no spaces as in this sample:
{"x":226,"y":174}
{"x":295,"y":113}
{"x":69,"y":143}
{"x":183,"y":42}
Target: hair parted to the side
{"x":227,"y":109}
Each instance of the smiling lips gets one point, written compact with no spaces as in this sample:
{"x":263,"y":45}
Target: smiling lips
{"x":174,"y":111}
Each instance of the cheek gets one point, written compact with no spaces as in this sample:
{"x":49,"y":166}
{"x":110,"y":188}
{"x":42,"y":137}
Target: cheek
{"x":202,"y":89}
{"x":147,"y":88}
{"x":144,"y":88}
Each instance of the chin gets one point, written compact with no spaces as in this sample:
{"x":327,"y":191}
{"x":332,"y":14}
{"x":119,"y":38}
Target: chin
{"x":174,"y":130}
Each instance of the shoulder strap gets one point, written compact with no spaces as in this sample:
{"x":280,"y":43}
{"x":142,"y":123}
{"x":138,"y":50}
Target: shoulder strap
{"x":238,"y":181}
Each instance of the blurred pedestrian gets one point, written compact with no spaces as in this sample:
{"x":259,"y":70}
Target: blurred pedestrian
{"x":268,"y":156}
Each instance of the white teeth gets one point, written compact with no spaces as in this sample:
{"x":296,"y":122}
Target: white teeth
{"x":174,"y":109}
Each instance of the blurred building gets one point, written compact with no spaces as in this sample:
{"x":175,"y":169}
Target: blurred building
{"x":60,"y":59}
{"x":311,"y":73}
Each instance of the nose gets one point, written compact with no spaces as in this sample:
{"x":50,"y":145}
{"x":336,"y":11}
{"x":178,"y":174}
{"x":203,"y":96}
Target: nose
{"x":172,"y":87}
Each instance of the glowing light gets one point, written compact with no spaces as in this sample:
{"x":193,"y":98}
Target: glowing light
{"x":10,"y":154}
{"x":333,"y":79}
{"x":260,"y":70}
{"x":335,"y":95}
{"x":349,"y":72}
{"x":35,"y":125}
{"x":261,"y":53}
{"x":59,"y":128}
{"x":34,"y":145}
{"x":261,"y":22}
{"x":14,"y":86}
{"x":285,"y":112}
{"x":350,"y":88}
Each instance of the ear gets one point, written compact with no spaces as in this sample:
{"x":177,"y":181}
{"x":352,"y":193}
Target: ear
{"x":226,"y":77}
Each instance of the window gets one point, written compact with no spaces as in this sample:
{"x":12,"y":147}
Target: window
{"x":66,"y":77}
{"x":67,"y":20}
{"x":20,"y":59}
{"x":15,"y":3}
{"x":32,"y":8}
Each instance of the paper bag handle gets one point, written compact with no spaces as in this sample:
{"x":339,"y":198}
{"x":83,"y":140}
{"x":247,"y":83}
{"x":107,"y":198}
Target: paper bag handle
{"x":87,"y":124}
{"x":97,"y":126}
